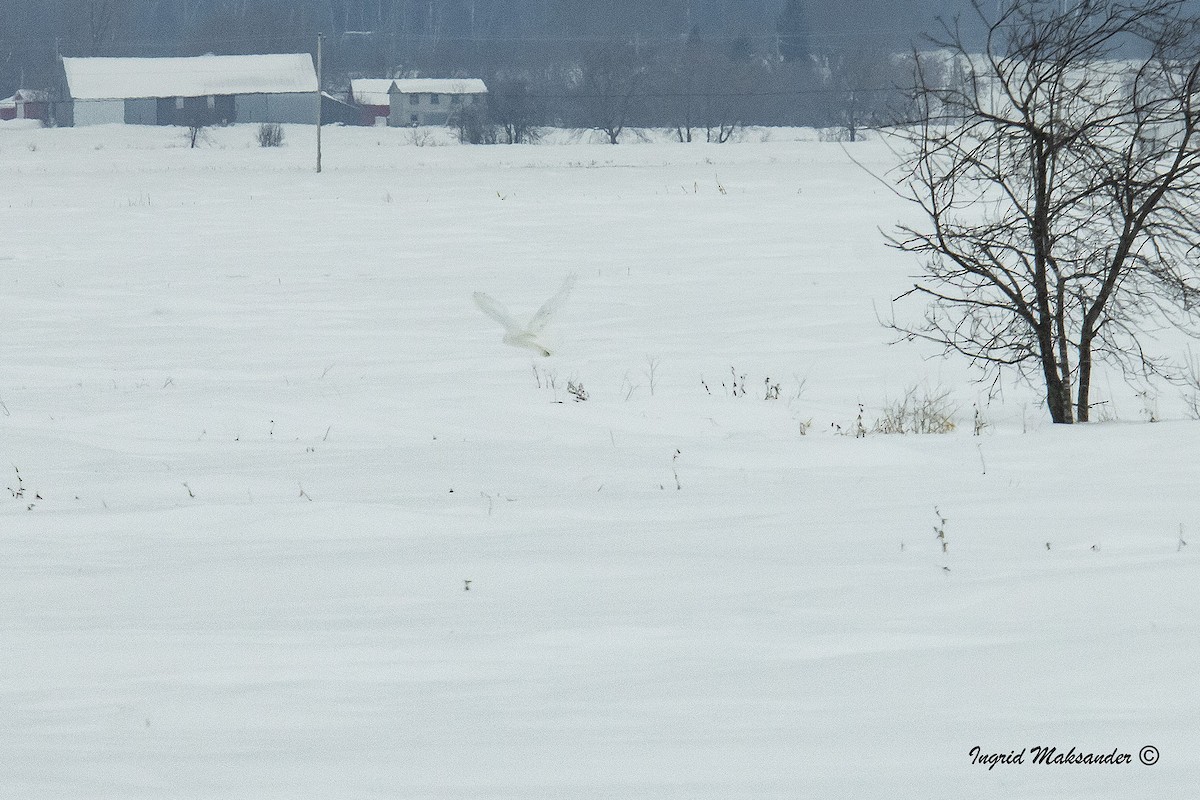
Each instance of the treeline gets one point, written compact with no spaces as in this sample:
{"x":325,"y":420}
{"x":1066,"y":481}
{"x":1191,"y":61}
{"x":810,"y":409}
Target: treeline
{"x":703,"y":90}
{"x":661,"y":62}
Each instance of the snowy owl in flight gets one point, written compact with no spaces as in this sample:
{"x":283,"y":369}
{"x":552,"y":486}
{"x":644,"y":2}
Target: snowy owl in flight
{"x":526,"y":335}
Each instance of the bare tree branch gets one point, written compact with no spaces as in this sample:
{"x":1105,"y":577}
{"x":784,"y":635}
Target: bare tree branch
{"x":1058,"y":173}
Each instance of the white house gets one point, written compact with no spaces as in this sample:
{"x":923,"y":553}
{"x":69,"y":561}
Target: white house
{"x":183,"y":91}
{"x":432,"y":101}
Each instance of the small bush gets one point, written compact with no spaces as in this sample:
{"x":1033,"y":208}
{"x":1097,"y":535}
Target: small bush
{"x":577,"y":391}
{"x":418,"y":136}
{"x":270,"y":134}
{"x":195,"y":134}
{"x":918,"y":411}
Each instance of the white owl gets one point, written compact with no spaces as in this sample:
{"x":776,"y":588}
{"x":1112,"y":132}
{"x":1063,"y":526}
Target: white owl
{"x":526,"y":335}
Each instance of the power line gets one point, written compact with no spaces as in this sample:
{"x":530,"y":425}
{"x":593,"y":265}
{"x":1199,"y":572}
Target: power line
{"x":662,"y":95}
{"x":192,"y":42}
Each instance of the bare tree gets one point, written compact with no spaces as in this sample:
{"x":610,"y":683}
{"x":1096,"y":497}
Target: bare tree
{"x":93,"y":23}
{"x":701,"y":88}
{"x":515,"y":109}
{"x":472,"y":125}
{"x":1059,"y":177}
{"x":861,"y":86}
{"x":611,"y":77}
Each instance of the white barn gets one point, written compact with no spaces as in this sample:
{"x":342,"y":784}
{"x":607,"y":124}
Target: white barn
{"x":432,"y":101}
{"x":182,"y":91}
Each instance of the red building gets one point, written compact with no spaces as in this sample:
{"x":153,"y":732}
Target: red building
{"x":26,"y":104}
{"x":371,"y":95}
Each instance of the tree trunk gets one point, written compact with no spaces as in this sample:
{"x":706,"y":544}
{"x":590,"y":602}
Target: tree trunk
{"x":1058,"y":393}
{"x":1085,"y":377}
{"x":1058,"y":400}
{"x":852,"y":120}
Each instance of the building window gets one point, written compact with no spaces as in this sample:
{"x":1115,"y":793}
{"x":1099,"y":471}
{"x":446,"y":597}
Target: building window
{"x":434,"y":99}
{"x":179,"y":104}
{"x":212,"y":101}
{"x":456,"y":99}
{"x":413,"y":119}
{"x":414,"y":99}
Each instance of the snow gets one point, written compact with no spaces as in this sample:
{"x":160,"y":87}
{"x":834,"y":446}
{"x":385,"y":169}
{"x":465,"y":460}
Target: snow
{"x":440,"y":86}
{"x":25,"y":96}
{"x":371,"y":91}
{"x":377,"y":91}
{"x":21,"y":125}
{"x":197,"y":76}
{"x":264,"y":437}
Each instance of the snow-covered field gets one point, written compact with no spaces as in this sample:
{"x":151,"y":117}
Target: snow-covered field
{"x":264,"y":438}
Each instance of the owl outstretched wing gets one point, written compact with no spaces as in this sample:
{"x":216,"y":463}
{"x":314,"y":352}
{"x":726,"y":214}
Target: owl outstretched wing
{"x":497,"y":312}
{"x":538,"y":321}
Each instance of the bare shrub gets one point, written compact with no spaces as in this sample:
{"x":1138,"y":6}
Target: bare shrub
{"x":918,"y":410}
{"x":270,"y":134}
{"x":418,"y":136}
{"x":196,"y":134}
{"x":576,"y":390}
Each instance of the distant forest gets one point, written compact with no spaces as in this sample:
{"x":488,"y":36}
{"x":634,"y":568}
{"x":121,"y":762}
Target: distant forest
{"x":664,"y":62}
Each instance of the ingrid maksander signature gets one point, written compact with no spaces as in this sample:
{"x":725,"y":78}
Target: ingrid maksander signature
{"x":1041,"y":754}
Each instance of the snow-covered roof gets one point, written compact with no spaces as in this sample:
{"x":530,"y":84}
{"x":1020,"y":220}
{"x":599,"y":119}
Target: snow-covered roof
{"x":371,"y":91}
{"x":440,"y":86}
{"x":26,"y":96}
{"x":30,"y":96}
{"x":197,"y":76}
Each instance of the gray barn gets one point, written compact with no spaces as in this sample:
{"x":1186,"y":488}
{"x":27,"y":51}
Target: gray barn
{"x":186,"y":91}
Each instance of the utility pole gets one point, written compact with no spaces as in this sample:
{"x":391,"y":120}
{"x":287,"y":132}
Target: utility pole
{"x":320,"y":39}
